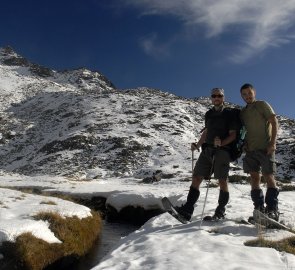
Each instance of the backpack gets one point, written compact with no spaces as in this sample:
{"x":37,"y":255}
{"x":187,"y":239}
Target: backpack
{"x":236,"y":147}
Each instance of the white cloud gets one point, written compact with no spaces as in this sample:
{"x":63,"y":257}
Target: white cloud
{"x":260,"y":24}
{"x":152,"y":46}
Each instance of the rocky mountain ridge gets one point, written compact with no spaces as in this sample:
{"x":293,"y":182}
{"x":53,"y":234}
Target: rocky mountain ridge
{"x":77,"y":123}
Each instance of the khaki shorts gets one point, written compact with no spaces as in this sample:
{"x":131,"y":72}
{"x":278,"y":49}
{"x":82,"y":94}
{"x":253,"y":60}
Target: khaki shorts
{"x":203,"y":166}
{"x":257,"y":161}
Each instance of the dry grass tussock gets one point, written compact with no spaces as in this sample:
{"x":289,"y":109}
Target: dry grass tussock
{"x":77,"y":235}
{"x":286,"y":245}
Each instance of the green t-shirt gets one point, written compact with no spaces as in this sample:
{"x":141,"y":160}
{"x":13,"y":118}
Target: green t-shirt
{"x":255,"y":118}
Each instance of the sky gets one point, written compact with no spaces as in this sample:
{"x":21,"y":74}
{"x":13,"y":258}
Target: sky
{"x":162,"y":243}
{"x":182,"y":47}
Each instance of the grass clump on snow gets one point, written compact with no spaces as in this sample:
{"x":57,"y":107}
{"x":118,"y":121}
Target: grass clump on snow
{"x":238,"y":179}
{"x":77,"y":235}
{"x":286,"y":245}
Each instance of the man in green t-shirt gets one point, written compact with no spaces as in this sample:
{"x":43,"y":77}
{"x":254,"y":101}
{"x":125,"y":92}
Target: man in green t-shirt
{"x":262,"y":128}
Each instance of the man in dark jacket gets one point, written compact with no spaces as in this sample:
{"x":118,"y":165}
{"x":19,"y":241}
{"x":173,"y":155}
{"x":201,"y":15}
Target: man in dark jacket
{"x":219,"y":132}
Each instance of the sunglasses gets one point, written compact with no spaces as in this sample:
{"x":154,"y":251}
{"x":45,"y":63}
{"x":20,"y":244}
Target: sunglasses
{"x":215,"y":96}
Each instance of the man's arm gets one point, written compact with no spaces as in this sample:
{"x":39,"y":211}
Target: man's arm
{"x":202,"y":139}
{"x":274,"y":132}
{"x":232,"y":136}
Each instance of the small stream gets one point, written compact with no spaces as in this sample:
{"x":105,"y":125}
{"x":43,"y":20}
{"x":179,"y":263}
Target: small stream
{"x":111,"y":234}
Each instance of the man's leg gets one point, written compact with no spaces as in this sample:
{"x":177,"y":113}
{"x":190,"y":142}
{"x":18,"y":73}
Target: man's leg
{"x":257,"y":195}
{"x":271,"y":197}
{"x":221,"y":170}
{"x":252,"y":165}
{"x":222,"y":199}
{"x":223,"y":185}
{"x":193,"y":194}
{"x":196,"y":181}
{"x":187,"y":209}
{"x":268,"y":167}
{"x":270,"y":180}
{"x":203,"y":167}
{"x":255,"y":180}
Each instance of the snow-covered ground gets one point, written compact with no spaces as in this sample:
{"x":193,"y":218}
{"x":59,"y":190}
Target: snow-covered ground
{"x":17,"y":210}
{"x":77,"y":125}
{"x":162,"y":242}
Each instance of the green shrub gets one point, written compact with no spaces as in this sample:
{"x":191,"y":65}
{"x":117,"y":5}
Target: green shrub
{"x":286,"y":245}
{"x":77,"y":236}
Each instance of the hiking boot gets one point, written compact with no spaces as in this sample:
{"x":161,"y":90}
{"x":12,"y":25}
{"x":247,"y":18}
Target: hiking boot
{"x":251,"y":220}
{"x":258,"y":199}
{"x":184,"y":212}
{"x":222,"y":202}
{"x":218,"y":216}
{"x":187,"y":209}
{"x":261,"y":209}
{"x":271,"y":200}
{"x":219,"y":213}
{"x":215,"y":217}
{"x":273,"y":215}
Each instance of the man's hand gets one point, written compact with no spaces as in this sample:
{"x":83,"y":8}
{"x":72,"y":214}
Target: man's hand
{"x":271,"y":149}
{"x":195,"y":146}
{"x":217,"y":142}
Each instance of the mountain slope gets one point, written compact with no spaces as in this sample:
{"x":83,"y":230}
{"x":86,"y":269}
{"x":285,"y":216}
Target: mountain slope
{"x":77,"y":123}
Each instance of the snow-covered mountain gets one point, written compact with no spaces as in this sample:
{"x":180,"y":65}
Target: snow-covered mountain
{"x":77,"y":123}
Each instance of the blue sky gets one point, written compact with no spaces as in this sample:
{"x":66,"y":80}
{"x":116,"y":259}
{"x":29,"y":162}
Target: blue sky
{"x":185,"y":47}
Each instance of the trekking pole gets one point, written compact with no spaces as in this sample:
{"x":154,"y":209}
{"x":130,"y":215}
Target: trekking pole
{"x":193,"y":158}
